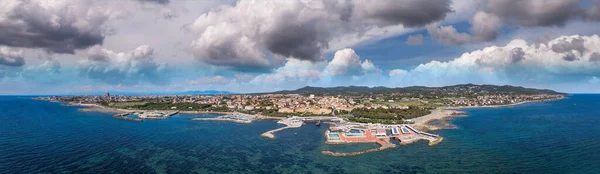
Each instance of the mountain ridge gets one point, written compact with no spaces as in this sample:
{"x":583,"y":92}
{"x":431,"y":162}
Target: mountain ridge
{"x":459,"y":88}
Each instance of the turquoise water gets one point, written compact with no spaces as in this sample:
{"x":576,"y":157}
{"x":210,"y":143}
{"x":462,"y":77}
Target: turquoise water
{"x":551,"y":137}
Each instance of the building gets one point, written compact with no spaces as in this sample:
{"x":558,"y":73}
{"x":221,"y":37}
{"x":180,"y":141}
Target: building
{"x":381,"y":132}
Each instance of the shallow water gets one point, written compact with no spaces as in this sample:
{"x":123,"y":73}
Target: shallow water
{"x":550,"y":137}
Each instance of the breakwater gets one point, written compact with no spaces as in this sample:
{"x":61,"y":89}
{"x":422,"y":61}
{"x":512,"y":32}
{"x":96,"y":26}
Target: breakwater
{"x":270,"y":134}
{"x":123,"y":116}
{"x":383,"y":147}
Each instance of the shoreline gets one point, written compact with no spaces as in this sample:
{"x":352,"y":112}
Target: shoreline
{"x":100,"y":108}
{"x":423,"y":123}
{"x":445,"y":114}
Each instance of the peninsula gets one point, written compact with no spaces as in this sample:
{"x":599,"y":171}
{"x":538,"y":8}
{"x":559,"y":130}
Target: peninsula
{"x":356,"y":114}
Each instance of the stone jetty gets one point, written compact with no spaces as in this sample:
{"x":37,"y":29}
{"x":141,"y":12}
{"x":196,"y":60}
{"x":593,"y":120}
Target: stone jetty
{"x":270,"y":134}
{"x":383,"y":147}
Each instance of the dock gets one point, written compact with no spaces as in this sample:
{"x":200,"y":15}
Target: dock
{"x":141,"y":116}
{"x":123,"y":116}
{"x":270,"y":134}
{"x":234,"y":117}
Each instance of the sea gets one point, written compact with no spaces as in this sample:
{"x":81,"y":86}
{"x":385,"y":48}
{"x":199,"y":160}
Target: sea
{"x":36,"y":136}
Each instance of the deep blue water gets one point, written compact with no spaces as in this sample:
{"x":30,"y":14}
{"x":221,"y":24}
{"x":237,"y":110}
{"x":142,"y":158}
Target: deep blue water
{"x":550,"y":137}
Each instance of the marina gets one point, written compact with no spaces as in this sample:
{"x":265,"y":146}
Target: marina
{"x":141,"y":116}
{"x":296,"y":122}
{"x":233,"y":117}
{"x":342,"y":132}
{"x":348,"y":133}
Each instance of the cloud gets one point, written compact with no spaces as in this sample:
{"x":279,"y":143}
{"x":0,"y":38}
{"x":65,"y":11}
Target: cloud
{"x":295,"y":72}
{"x":570,"y":57}
{"x":415,"y":40}
{"x":494,"y":14}
{"x":344,"y":62}
{"x":535,"y":12}
{"x":410,"y":13}
{"x":260,"y":34}
{"x":47,"y":73}
{"x":243,"y":77}
{"x":397,"y":76}
{"x":11,"y":57}
{"x":127,"y":68}
{"x":216,"y":80}
{"x":448,"y":35}
{"x":574,"y":44}
{"x":484,"y":27}
{"x":58,"y":26}
{"x":516,"y":63}
{"x":595,"y":57}
{"x":163,"y":2}
{"x":593,"y":13}
{"x":347,"y":62}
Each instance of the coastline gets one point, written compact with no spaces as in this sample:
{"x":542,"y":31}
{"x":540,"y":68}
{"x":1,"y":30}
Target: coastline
{"x":445,"y":114}
{"x":440,"y":115}
{"x":100,"y":108}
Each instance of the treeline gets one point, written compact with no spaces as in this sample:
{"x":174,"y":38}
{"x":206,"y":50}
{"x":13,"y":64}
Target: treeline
{"x":266,"y":112}
{"x":169,"y":106}
{"x":276,"y":113}
{"x":386,"y":116}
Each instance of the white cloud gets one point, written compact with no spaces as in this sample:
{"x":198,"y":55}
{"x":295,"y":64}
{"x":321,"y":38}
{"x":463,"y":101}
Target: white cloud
{"x":216,"y":80}
{"x":127,"y":68}
{"x":517,"y":63}
{"x":259,"y":34}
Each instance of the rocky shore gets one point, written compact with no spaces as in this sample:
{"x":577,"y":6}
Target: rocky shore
{"x":384,"y":147}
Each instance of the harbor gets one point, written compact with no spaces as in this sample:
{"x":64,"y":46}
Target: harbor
{"x":383,"y":135}
{"x":342,"y":131}
{"x":296,"y":122}
{"x":235,"y":117}
{"x":141,"y":116}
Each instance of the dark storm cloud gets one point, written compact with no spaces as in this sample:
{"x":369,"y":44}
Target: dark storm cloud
{"x":30,"y":25}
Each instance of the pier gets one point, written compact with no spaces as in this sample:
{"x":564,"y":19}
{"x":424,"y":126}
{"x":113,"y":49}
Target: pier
{"x":123,"y":116}
{"x":141,"y":116}
{"x":270,"y":134}
{"x":383,"y":146}
{"x":234,"y":117}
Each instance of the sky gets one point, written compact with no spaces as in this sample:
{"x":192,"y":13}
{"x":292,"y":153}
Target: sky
{"x":244,"y":46}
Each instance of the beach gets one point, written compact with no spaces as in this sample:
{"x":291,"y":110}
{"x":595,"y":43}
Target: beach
{"x":444,"y":114}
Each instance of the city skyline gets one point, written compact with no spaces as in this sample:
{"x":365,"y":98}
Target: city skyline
{"x":59,"y":47}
